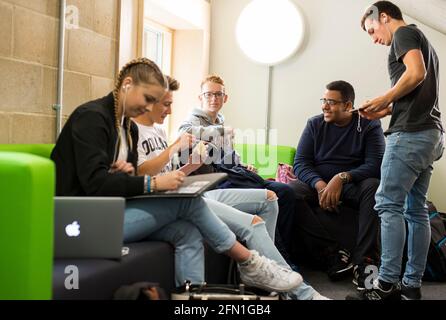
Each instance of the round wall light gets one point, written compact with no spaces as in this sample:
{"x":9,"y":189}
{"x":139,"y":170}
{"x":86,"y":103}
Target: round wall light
{"x":270,"y":31}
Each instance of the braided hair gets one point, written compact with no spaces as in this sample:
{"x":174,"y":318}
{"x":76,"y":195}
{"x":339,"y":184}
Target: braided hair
{"x":141,"y":70}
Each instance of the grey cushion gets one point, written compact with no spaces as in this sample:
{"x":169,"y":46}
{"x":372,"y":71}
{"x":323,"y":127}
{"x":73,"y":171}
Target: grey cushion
{"x":148,"y":261}
{"x":100,"y":278}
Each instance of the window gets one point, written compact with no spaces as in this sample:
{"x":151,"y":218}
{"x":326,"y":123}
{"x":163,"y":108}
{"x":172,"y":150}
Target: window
{"x":157,"y":45}
{"x":153,"y":45}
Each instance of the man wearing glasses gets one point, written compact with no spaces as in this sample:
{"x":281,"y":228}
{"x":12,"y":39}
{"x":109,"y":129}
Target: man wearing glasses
{"x":414,"y":142}
{"x":208,"y":124}
{"x":338,"y":159}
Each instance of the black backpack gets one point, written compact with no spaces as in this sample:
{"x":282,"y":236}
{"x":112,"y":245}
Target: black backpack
{"x":436,"y":258}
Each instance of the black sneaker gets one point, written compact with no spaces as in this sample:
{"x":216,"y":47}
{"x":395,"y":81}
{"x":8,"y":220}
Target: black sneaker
{"x":377,"y":293}
{"x":360,"y":276}
{"x":410,"y":293}
{"x":340,"y":265}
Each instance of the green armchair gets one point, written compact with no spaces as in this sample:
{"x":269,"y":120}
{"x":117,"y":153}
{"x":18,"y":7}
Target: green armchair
{"x":26,"y":222}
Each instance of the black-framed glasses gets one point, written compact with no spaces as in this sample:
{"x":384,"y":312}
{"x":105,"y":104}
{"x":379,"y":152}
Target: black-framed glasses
{"x":330,"y":102}
{"x":217,"y":95}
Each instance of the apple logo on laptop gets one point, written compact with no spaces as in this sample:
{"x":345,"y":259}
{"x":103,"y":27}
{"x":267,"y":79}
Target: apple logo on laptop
{"x":73,"y":229}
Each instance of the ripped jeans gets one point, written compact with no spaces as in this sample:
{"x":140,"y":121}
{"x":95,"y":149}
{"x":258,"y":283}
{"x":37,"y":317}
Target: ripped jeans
{"x":258,"y":236}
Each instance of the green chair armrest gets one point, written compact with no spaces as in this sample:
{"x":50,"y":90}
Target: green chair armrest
{"x":43,"y":150}
{"x":26,"y":226}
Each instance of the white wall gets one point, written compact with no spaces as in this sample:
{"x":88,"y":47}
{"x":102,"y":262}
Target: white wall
{"x":336,"y":48}
{"x":128,"y":33}
{"x":179,"y":14}
{"x":190,"y":22}
{"x":190,"y":65}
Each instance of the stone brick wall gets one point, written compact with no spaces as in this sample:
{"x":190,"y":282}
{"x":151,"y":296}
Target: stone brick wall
{"x":28,"y":63}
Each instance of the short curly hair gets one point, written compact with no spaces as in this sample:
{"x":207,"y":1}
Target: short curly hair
{"x":345,"y":88}
{"x":214,"y":79}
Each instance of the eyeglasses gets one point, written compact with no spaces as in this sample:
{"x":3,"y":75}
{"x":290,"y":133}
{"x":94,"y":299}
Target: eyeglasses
{"x":217,"y":95}
{"x":330,"y":102}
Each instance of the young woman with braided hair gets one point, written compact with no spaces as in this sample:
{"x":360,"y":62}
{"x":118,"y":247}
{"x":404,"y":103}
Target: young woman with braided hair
{"x":96,"y":155}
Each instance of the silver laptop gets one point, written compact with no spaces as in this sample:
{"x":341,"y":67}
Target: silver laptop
{"x":88,"y":227}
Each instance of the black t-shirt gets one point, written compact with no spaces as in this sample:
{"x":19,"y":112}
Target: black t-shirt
{"x":419,"y":110}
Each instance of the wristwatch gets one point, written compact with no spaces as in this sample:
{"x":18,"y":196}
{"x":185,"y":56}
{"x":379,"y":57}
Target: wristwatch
{"x":344,"y":177}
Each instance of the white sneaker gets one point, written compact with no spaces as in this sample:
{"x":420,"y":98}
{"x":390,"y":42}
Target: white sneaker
{"x":318,"y":296}
{"x":292,"y":296}
{"x":266,"y":274}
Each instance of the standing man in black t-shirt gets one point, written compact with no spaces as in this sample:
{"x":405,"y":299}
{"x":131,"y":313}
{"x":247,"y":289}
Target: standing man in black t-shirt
{"x":414,"y":142}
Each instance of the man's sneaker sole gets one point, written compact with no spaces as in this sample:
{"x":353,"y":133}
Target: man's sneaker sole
{"x":359,"y":288}
{"x":291,"y":286}
{"x":340,"y":274}
{"x":346,"y":268}
{"x":403,"y":297}
{"x":410,"y":293}
{"x":360,"y":295}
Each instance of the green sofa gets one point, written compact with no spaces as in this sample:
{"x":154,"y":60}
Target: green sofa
{"x":26,"y":227}
{"x":42,"y":150}
{"x":27,"y":268}
{"x":265,"y":157}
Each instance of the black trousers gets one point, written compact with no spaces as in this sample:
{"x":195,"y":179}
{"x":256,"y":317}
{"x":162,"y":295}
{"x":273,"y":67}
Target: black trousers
{"x":285,"y":219}
{"x":321,"y":232}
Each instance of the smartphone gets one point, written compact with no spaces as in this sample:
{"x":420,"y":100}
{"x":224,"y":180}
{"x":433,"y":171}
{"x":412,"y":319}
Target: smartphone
{"x":354,"y":111}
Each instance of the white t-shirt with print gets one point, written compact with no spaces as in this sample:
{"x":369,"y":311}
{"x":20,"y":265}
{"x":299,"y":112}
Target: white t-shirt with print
{"x":151,"y":143}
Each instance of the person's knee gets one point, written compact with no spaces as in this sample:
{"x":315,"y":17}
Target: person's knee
{"x":372,"y":183}
{"x":271,"y":195}
{"x":256,"y":220}
{"x":417,"y":214}
{"x":369,"y":187}
{"x":193,"y":205}
{"x":285,"y":192}
{"x":187,"y":234}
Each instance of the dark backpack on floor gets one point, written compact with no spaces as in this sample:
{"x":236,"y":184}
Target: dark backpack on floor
{"x":436,"y":259}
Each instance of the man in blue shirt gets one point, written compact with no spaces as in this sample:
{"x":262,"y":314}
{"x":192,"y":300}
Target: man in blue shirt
{"x":338,"y":159}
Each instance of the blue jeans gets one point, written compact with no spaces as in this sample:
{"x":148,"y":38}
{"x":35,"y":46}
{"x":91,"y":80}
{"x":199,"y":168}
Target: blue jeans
{"x":225,"y":202}
{"x":405,"y":174}
{"x":182,"y":222}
